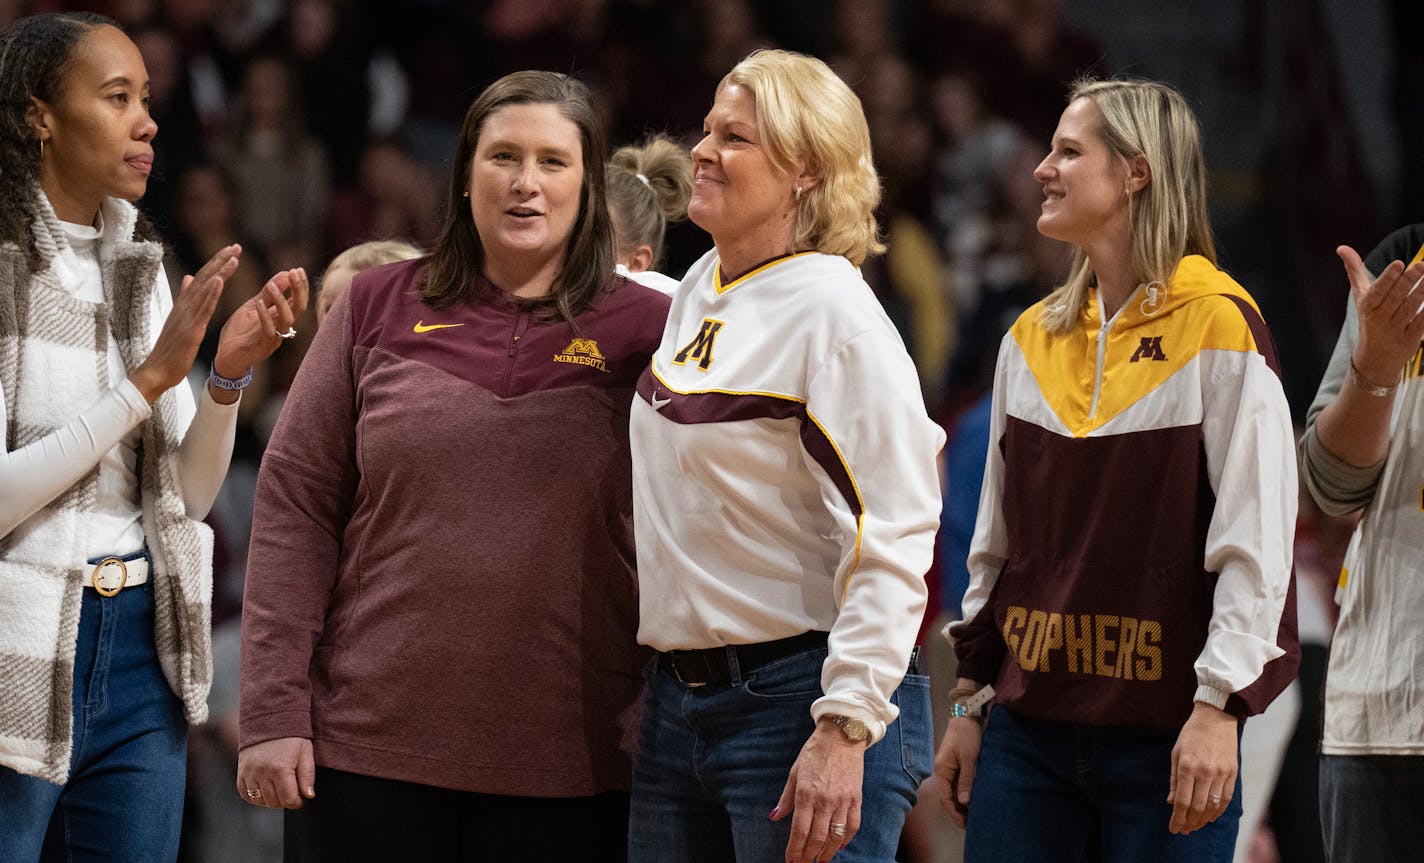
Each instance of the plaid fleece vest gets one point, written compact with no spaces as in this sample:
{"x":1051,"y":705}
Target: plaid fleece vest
{"x":53,"y":349}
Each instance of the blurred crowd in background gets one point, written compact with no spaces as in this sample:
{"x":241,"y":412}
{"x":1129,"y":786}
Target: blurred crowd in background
{"x":301,"y":127}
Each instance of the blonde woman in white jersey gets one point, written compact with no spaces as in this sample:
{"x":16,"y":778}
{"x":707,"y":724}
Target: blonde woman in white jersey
{"x":785,"y":503}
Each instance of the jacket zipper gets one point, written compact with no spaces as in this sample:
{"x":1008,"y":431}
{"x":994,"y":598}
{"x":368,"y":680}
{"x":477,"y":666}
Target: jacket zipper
{"x":1102,"y":349}
{"x":1103,"y":329}
{"x":521,"y":323}
{"x":1102,"y":345}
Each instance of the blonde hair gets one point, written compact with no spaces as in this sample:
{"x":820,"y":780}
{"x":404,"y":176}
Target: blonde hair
{"x":805,"y":112}
{"x":1167,"y":218}
{"x":648,"y":188}
{"x":360,"y":258}
{"x":364,"y":256}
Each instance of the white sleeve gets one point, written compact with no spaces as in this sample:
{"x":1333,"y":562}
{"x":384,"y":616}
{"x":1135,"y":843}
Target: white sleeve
{"x":37,"y":473}
{"x":206,"y":451}
{"x":977,"y":644}
{"x":865,"y":400}
{"x":1250,"y":453}
{"x":989,"y":547}
{"x":208,"y":428}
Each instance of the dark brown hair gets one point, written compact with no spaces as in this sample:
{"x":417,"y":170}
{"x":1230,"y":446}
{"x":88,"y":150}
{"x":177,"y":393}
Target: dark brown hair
{"x":458,"y":254}
{"x":35,"y":52}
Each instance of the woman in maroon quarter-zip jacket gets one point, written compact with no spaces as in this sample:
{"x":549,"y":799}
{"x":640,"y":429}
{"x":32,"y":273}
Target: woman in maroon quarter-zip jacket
{"x":439,"y":658}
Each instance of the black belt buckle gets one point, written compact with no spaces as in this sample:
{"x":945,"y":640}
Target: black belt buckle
{"x":677,"y":658}
{"x":713,"y":665}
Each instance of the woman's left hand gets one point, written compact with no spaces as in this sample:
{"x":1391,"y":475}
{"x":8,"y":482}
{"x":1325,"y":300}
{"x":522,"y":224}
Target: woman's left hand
{"x":824,"y":789}
{"x":1203,"y":769}
{"x":255,"y":329}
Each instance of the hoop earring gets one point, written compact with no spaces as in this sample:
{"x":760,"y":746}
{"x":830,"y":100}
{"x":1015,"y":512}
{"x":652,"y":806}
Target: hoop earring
{"x":798,"y":193}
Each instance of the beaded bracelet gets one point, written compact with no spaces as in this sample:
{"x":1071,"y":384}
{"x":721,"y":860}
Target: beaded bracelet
{"x":223,"y":383}
{"x":959,"y":710}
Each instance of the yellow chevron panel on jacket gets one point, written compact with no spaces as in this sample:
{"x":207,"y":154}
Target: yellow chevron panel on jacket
{"x":1157,"y":333}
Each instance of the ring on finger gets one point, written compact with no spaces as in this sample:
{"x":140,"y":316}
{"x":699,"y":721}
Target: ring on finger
{"x":838,"y":830}
{"x":291,"y":333}
{"x":1215,"y":799}
{"x":254,"y":793}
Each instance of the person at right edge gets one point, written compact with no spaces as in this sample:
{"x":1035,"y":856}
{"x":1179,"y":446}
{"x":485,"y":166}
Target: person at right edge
{"x":1360,"y":451}
{"x":1131,"y":596}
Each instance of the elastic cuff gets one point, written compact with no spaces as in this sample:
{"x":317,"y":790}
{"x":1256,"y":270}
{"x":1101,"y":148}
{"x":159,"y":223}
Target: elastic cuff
{"x":976,"y":668}
{"x":1211,"y":695}
{"x":133,"y":399}
{"x":874,"y":726}
{"x":206,"y":399}
{"x":1345,"y":487}
{"x":272,"y":726}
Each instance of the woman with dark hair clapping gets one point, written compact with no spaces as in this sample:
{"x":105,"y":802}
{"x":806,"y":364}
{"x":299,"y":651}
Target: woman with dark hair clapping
{"x":108,"y":460}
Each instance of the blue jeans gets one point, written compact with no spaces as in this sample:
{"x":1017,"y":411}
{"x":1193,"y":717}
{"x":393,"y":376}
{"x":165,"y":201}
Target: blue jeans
{"x":1369,"y":807}
{"x":124,"y":799}
{"x":712,"y":763}
{"x":1055,"y":791}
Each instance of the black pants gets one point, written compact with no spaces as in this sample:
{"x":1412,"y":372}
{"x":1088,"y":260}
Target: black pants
{"x":358,"y":818}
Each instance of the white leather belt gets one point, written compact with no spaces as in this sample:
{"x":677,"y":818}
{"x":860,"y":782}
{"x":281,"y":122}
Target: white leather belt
{"x":109,"y":575}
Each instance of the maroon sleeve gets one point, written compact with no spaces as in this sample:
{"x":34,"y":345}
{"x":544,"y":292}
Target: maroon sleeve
{"x":305,"y":492}
{"x":979,"y":648}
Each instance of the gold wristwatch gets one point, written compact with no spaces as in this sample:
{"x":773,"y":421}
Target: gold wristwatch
{"x":853,"y":729}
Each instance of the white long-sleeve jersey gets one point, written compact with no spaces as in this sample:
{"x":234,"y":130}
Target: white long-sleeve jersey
{"x":784,"y":476}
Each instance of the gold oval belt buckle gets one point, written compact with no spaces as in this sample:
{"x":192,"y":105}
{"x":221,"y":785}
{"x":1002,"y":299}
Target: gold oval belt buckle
{"x":123,"y":576}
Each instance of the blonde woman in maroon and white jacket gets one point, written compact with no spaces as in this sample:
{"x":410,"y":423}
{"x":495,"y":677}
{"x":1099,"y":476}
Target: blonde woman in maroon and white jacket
{"x":1131,"y":596}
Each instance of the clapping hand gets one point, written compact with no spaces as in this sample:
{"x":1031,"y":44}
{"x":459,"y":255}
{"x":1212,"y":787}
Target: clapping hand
{"x":177,"y":344}
{"x":259,"y":326}
{"x":249,"y":336}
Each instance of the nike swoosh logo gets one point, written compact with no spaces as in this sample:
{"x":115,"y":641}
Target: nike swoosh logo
{"x":423,"y":327}
{"x":659,"y":404}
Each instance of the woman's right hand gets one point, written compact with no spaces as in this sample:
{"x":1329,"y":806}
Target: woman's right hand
{"x":1391,"y":317}
{"x":172,"y":356}
{"x":280,"y":771}
{"x":955,"y":763}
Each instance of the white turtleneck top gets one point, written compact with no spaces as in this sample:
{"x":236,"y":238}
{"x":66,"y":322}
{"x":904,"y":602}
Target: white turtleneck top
{"x":107,"y":432}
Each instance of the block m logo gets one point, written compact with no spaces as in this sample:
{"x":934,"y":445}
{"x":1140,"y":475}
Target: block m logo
{"x":584,"y":346}
{"x":1151,"y":349}
{"x":700,"y":348}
